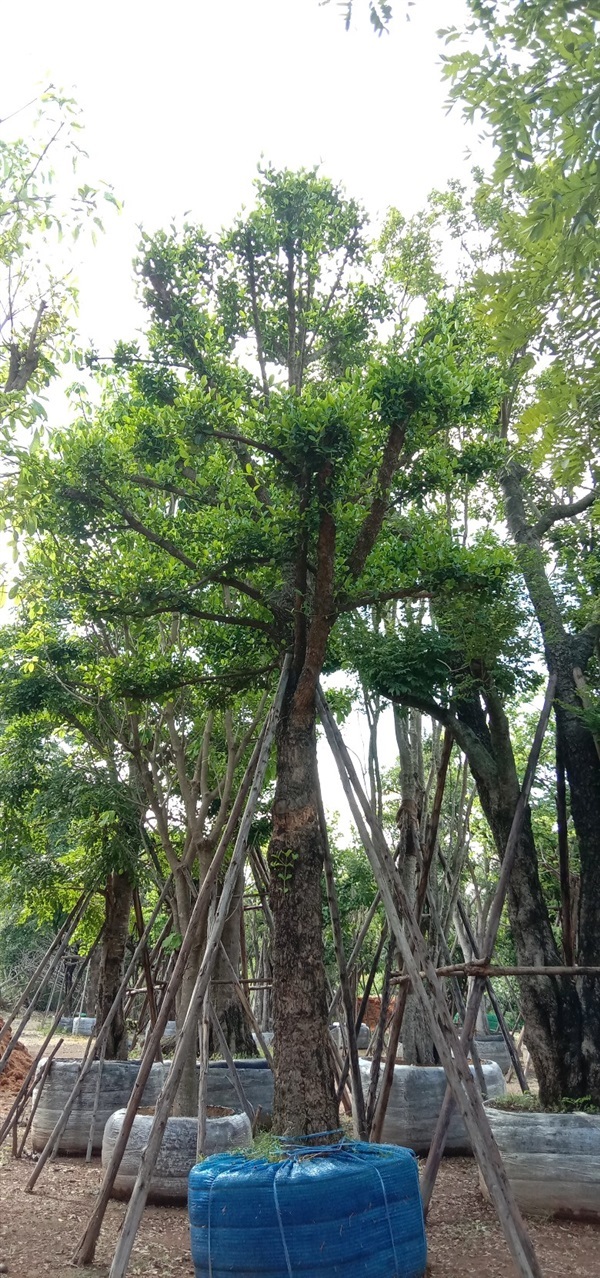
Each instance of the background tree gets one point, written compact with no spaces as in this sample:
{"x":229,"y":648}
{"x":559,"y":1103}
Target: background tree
{"x":37,"y":286}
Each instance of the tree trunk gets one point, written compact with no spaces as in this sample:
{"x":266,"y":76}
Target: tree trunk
{"x":304,"y":1089}
{"x":417,"y":1042}
{"x":186,"y":1100}
{"x":565,"y":653}
{"x":582,"y":767}
{"x":118,"y":902}
{"x":91,"y":993}
{"x":551,"y":1006}
{"x":232,"y":1018}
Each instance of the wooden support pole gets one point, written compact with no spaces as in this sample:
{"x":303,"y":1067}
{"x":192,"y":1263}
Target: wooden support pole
{"x":563,"y":857}
{"x":90,"y":1144}
{"x":139,"y":921}
{"x":30,"y":1075}
{"x":513,"y":1053}
{"x":364,"y":1000}
{"x":495,"y":914}
{"x":450,"y":1050}
{"x":481,"y":969}
{"x":377,"y":1042}
{"x":245,"y":1002}
{"x":62,"y":938}
{"x":356,"y":948}
{"x":86,"y":1065}
{"x":230,"y":1063}
{"x":84,"y":1252}
{"x":358,"y":1103}
{"x":204,"y":1041}
{"x":35,"y":1101}
{"x":401,"y":1001}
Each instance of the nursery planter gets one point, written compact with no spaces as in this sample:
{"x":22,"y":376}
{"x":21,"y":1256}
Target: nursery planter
{"x":492,"y":1047}
{"x":256,"y":1078}
{"x":177,"y":1155}
{"x":85,"y":1026}
{"x":415,"y":1102}
{"x":352,"y":1211}
{"x":363,"y":1037}
{"x":118,"y":1078}
{"x":552,"y":1161}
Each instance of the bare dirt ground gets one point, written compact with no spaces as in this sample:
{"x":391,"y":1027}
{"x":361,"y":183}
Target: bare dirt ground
{"x":38,"y":1232}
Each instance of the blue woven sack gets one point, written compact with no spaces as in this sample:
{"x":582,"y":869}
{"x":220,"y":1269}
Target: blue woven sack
{"x":352,"y":1210}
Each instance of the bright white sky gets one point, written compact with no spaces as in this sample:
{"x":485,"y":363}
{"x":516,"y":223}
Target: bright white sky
{"x":180,"y":102}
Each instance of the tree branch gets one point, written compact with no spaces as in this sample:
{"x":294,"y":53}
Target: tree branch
{"x":372,"y":522}
{"x":565,"y":510}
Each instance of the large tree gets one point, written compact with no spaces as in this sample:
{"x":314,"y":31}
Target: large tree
{"x":253,"y":453}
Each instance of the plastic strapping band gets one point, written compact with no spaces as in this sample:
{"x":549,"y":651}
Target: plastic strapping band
{"x":387,"y":1212}
{"x":213,"y":1183}
{"x":366,"y":1163}
{"x":280,"y":1221}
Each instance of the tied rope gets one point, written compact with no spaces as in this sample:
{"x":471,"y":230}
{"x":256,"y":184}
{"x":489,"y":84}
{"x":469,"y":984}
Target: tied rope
{"x":297,"y":1153}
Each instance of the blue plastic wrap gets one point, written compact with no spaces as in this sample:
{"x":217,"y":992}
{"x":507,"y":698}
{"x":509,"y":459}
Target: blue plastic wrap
{"x":353,"y":1210}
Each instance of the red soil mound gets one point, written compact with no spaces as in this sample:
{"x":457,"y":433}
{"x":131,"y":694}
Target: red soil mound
{"x":373,"y":1011}
{"x":18,"y":1066}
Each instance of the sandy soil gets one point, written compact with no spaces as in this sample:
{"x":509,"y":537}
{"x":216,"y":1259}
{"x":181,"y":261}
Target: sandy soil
{"x":38,"y":1232}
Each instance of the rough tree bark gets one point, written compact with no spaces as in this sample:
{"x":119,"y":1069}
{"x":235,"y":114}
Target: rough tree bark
{"x":304,"y":1090}
{"x":551,"y":1007}
{"x":417,"y":1042}
{"x":232,"y":1017}
{"x":118,"y":902}
{"x":567,"y":655}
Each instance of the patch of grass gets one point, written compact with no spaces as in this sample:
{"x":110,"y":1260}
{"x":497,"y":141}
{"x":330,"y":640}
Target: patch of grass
{"x":529,"y":1104}
{"x":265,"y":1145}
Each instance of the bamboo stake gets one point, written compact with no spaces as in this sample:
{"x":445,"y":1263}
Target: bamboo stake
{"x":84,"y":1252}
{"x":364,"y":1000}
{"x":439,"y":1140}
{"x":563,"y":856}
{"x":358,"y":1103}
{"x":231,"y":1068}
{"x":400,"y":1008}
{"x":59,"y":1127}
{"x":62,"y":938}
{"x":514,"y":1055}
{"x":39,"y":1054}
{"x":482,"y":969}
{"x":246,"y":1006}
{"x":378,"y":1037}
{"x":204,"y":1039}
{"x":90,"y":1144}
{"x":35,"y":1103}
{"x":451,"y":1052}
{"x":139,"y":920}
{"x":356,"y":948}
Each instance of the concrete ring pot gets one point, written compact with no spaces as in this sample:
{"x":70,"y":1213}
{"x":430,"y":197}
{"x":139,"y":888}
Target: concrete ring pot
{"x":118,"y":1078}
{"x":415,"y":1102}
{"x":492,"y":1047}
{"x":363,"y":1037}
{"x":85,"y":1026}
{"x":552,"y":1161}
{"x":256,"y":1078}
{"x":169,"y":1184}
